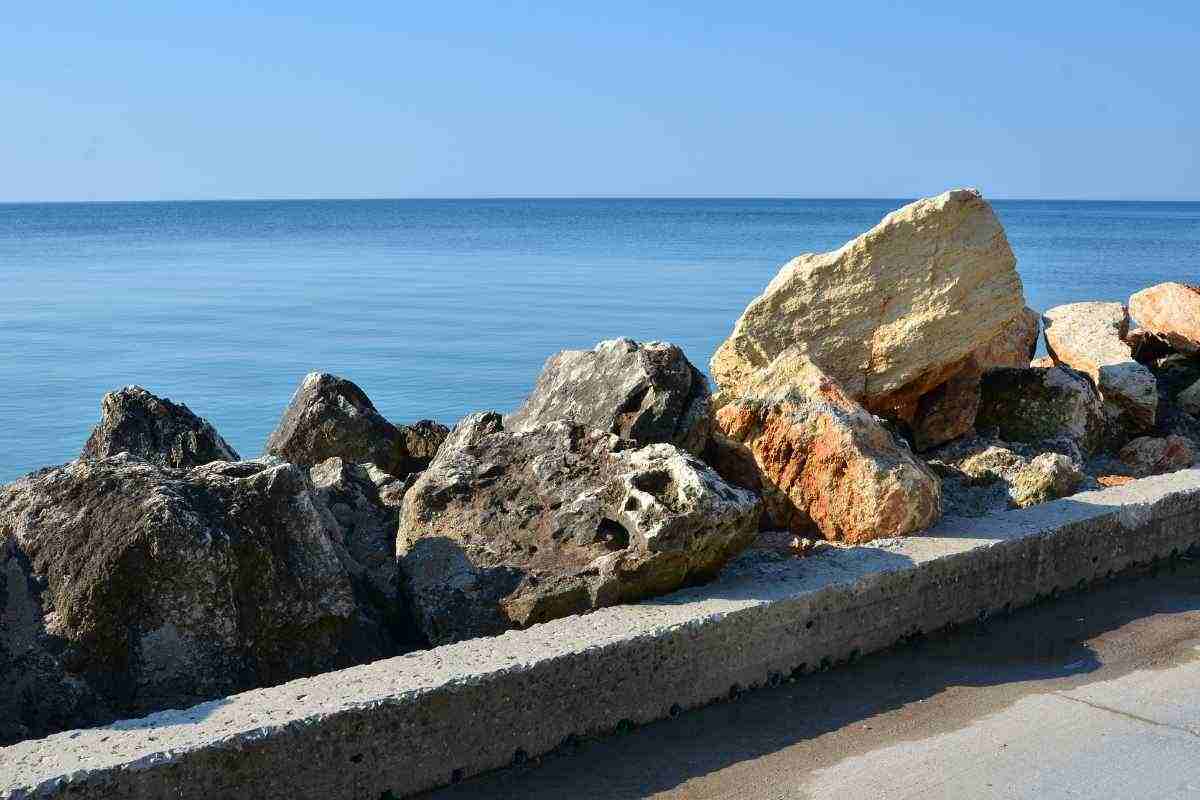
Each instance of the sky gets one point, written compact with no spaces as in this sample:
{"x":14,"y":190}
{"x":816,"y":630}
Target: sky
{"x":170,"y":100}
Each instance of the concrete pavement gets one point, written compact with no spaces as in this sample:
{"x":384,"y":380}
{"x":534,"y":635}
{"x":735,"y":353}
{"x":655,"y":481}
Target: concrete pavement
{"x":1093,"y":695}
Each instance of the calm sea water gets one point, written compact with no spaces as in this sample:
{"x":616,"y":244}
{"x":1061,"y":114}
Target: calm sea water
{"x":436,"y":308}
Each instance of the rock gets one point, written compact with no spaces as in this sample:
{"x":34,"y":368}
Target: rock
{"x":649,"y":393}
{"x":1089,"y":337}
{"x":1148,"y":455}
{"x":331,"y":417}
{"x":365,"y":501}
{"x":1014,"y":345}
{"x":509,"y":528}
{"x":1040,"y":404}
{"x":142,"y":588}
{"x":992,"y":464}
{"x":891,"y":315}
{"x":1171,"y":310}
{"x":1147,"y":347}
{"x":1189,"y":399}
{"x":1047,"y":477}
{"x":135,"y":421}
{"x":1175,"y":374}
{"x":819,"y":458}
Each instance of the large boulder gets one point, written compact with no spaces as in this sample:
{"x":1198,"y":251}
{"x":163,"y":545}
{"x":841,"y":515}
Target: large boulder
{"x":331,"y":417}
{"x":646,"y":392}
{"x":139,"y":588}
{"x":819,"y":458}
{"x":1090,"y":337}
{"x":509,"y":528}
{"x":1041,"y":404}
{"x":893,"y":314}
{"x":1172,"y":311}
{"x":153,"y":428}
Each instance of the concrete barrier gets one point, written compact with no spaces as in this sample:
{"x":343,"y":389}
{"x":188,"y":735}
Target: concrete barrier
{"x":410,"y":723}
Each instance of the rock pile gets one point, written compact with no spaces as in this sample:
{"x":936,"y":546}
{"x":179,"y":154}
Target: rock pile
{"x":865,"y":393}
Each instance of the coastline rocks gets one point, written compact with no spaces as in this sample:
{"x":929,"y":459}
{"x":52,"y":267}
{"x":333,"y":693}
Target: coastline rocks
{"x":153,"y":428}
{"x":1089,"y":337}
{"x":1171,"y":310}
{"x":892,"y":314}
{"x":1040,"y":404}
{"x":819,"y":458}
{"x":646,"y":392}
{"x":509,"y":528}
{"x":332,"y":417}
{"x":1148,"y":455}
{"x":1189,"y":399}
{"x":140,"y":588}
{"x":1047,"y":477}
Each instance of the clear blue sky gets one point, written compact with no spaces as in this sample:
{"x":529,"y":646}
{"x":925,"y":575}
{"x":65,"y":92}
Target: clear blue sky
{"x":213,"y":99}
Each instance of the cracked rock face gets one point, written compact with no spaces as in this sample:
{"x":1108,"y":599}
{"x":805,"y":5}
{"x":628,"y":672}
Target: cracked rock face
{"x":331,"y":417}
{"x":893,"y":314}
{"x":153,"y":428}
{"x":510,"y":528}
{"x":1090,"y":337}
{"x":646,"y":392}
{"x":819,"y":458}
{"x":1172,"y":311}
{"x":130,"y":588}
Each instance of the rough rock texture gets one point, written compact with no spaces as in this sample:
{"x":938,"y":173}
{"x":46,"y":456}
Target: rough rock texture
{"x":135,"y":421}
{"x":649,"y":393}
{"x":1189,"y":399}
{"x":506,"y":529}
{"x":1040,"y":404}
{"x":1171,"y":310}
{"x":1047,"y":477}
{"x":1089,"y":337}
{"x":365,"y":501}
{"x":1147,"y":455}
{"x":892,"y":314}
{"x":332,"y":417}
{"x":819,"y":458}
{"x":131,"y":587}
{"x":1147,"y":347}
{"x":981,"y":476}
{"x":1015,"y":343}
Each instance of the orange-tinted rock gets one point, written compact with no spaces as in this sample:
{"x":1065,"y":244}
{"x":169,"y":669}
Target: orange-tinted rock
{"x":1148,"y":455}
{"x":1171,"y":310}
{"x":819,"y":458}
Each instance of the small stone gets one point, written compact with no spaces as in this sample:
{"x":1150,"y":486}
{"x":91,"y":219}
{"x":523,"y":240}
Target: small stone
{"x":1148,"y":455}
{"x":1047,"y":477}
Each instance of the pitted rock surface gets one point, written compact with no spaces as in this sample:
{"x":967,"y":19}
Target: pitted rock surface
{"x":153,"y":428}
{"x":508,"y":528}
{"x":1041,"y":404}
{"x":1172,"y":311}
{"x":647,"y":392}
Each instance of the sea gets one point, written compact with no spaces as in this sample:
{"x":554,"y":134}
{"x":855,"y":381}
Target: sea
{"x":437,"y":308}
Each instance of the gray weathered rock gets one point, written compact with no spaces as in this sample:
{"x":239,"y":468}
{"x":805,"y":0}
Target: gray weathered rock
{"x":1090,"y":337}
{"x":982,"y":476}
{"x":1189,"y":399}
{"x":138,"y":587}
{"x":153,"y":428}
{"x":331,"y":417}
{"x":505,"y":529}
{"x":1047,"y":477}
{"x":646,"y":392}
{"x":1041,"y":404}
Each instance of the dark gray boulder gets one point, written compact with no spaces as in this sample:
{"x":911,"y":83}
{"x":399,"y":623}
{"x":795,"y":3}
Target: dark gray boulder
{"x":1042,"y":404}
{"x":153,"y":428}
{"x":331,"y":417}
{"x":133,"y":587}
{"x":510,"y":528}
{"x":647,"y":392}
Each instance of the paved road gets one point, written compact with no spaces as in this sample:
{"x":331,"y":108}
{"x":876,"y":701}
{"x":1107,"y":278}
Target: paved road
{"x":1095,"y":695}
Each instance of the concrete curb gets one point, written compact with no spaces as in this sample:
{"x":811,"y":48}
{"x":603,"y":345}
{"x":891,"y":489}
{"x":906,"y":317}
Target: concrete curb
{"x":419,"y":721}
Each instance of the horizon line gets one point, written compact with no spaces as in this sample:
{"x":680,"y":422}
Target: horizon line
{"x":483,"y":197}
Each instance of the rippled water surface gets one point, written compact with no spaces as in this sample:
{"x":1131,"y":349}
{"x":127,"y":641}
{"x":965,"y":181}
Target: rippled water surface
{"x":436,"y":308}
